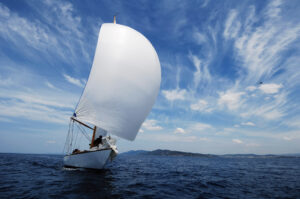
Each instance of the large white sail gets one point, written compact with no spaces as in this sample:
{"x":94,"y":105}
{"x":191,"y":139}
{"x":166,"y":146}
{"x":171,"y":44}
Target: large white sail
{"x":123,"y":84}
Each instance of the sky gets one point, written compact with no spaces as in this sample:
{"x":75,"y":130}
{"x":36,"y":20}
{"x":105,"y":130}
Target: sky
{"x":230,"y":72}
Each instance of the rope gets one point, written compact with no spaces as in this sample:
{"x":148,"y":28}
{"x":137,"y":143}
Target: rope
{"x":66,"y":147}
{"x":84,"y":133}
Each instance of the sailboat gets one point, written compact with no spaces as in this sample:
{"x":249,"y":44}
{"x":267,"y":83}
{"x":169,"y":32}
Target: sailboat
{"x":122,"y":87}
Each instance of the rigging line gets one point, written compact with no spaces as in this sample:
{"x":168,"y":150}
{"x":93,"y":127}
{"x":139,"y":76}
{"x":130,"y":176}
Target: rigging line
{"x":69,"y":135}
{"x":84,"y":132}
{"x":76,"y":136}
{"x":71,"y":138}
{"x":78,"y":144}
{"x":67,"y":144}
{"x":68,"y":141}
{"x":67,"y":138}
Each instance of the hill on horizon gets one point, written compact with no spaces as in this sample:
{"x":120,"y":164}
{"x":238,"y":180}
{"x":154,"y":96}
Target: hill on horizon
{"x":166,"y":152}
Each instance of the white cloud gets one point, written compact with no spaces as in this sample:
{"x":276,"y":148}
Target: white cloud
{"x":151,"y":125}
{"x":287,"y":138}
{"x":251,"y":88}
{"x":177,"y":94}
{"x":180,"y":131}
{"x":74,"y":81}
{"x":272,"y":115}
{"x":269,"y":112}
{"x":248,"y":124}
{"x":272,"y":109}
{"x":288,"y":135}
{"x":141,"y":131}
{"x":270,"y":88}
{"x":200,"y":126}
{"x":237,"y":141}
{"x":201,"y":105}
{"x":230,"y":99}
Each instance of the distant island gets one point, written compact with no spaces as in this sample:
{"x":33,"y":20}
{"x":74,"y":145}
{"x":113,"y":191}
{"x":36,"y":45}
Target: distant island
{"x":176,"y":153}
{"x":161,"y":152}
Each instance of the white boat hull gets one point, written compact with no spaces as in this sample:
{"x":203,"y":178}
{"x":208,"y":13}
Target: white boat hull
{"x":90,"y":159}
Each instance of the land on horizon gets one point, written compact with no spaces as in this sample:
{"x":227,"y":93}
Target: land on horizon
{"x":164,"y":152}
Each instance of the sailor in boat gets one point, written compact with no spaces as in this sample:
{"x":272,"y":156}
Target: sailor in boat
{"x":98,"y":141}
{"x":76,"y":151}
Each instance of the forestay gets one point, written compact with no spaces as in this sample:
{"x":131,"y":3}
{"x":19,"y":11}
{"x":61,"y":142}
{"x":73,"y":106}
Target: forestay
{"x":123,"y":84}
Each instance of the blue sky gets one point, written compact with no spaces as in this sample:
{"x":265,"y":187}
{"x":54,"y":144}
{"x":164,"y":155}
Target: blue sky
{"x":213,"y":55}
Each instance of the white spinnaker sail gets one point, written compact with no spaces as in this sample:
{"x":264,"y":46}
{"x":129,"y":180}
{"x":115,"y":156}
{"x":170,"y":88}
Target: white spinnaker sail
{"x":123,"y":84}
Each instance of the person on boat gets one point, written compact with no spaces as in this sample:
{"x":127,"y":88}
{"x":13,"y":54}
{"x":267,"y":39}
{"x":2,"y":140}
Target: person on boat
{"x":76,"y":151}
{"x":98,"y":141}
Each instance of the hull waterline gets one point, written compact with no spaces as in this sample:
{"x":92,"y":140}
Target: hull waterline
{"x":90,"y":159}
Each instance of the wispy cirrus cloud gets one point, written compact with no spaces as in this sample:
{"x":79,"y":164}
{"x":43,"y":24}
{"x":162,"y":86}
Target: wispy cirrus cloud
{"x":25,"y":99}
{"x":261,"y":48}
{"x":232,"y":25}
{"x":261,"y":67}
{"x":49,"y":84}
{"x":61,"y":36}
{"x":202,"y":72}
{"x":73,"y":80}
{"x":33,"y":111}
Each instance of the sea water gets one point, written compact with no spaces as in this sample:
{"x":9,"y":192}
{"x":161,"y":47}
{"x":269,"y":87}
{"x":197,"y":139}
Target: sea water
{"x":146,"y":176}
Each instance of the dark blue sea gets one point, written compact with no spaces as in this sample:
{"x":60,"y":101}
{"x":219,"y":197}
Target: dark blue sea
{"x":146,"y":176}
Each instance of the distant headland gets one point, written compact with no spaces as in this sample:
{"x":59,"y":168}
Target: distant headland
{"x":161,"y":152}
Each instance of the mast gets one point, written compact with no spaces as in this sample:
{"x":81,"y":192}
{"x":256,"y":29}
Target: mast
{"x":115,"y":19}
{"x":93,"y":138}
